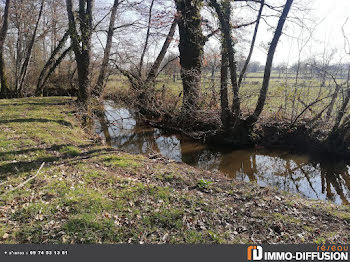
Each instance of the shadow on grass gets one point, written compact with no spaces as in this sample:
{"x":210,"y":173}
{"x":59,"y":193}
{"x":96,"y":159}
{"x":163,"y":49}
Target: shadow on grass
{"x":36,"y":104}
{"x":15,"y":168}
{"x":33,"y":120}
{"x":35,"y":149}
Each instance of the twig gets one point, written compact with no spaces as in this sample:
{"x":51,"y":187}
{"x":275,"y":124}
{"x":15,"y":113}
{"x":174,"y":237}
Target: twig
{"x":306,"y":108}
{"x":25,"y":182}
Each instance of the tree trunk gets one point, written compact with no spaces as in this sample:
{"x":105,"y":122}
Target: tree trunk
{"x":342,"y":111}
{"x":24,"y":68}
{"x":82,"y":46}
{"x":147,"y":38}
{"x":331,"y":105}
{"x":155,"y":67}
{"x":245,"y":66}
{"x":265,"y":85}
{"x":225,"y":110}
{"x":51,"y":70}
{"x":98,"y":90}
{"x":4,"y":86}
{"x":224,"y":14}
{"x":43,"y":74}
{"x":144,"y":100}
{"x":191,"y":50}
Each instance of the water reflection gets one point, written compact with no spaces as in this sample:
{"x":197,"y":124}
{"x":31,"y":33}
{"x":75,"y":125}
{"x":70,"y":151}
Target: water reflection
{"x":288,"y":172}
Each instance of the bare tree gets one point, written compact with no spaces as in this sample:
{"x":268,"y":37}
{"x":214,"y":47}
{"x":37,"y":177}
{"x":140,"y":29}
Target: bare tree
{"x":81,"y":45}
{"x":143,"y":84}
{"x":52,"y":63}
{"x":225,"y":110}
{"x":101,"y":80}
{"x":267,"y":73}
{"x":149,"y":24}
{"x":340,"y":130}
{"x":4,"y":85}
{"x":20,"y":79}
{"x":301,"y":43}
{"x":229,"y":45}
{"x":191,"y":47}
{"x":252,"y":44}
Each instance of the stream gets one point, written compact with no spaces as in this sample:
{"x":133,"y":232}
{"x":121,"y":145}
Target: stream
{"x":295,"y":173}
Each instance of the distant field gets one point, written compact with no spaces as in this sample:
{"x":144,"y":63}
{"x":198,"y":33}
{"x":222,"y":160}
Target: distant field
{"x":281,"y":96}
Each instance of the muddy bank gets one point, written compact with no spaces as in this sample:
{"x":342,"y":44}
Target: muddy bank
{"x":300,"y":137}
{"x":303,"y":136}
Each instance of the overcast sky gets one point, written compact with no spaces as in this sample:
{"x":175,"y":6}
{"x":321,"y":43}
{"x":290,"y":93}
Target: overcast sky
{"x":330,"y":16}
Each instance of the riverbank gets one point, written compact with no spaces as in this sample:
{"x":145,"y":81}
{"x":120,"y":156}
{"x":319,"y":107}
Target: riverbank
{"x":304,"y":135}
{"x":89,"y":193}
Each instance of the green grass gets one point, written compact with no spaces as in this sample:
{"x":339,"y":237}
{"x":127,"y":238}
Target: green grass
{"x":117,"y":161}
{"x":204,"y":184}
{"x":81,"y":194}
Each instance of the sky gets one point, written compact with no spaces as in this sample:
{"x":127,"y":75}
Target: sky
{"x":329,"y":15}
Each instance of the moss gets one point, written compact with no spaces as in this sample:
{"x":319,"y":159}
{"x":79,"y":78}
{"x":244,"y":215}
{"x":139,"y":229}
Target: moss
{"x":171,"y":178}
{"x":215,"y":237}
{"x":37,"y":211}
{"x":83,"y":200}
{"x":204,"y":184}
{"x":166,"y":218}
{"x":70,"y":150}
{"x":320,"y":240}
{"x":286,"y":218}
{"x":30,"y":234}
{"x":94,"y":175}
{"x":194,"y":237}
{"x":87,"y":229}
{"x":119,"y":161}
{"x":308,"y":228}
{"x":3,"y":230}
{"x":342,"y":215}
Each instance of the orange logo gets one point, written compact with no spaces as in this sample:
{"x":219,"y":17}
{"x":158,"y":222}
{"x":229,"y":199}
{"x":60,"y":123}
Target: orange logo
{"x":254,"y":253}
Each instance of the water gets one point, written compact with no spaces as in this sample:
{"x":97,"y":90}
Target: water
{"x":294,"y":173}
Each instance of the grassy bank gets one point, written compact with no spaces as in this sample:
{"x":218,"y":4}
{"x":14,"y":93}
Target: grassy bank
{"x":88,"y":193}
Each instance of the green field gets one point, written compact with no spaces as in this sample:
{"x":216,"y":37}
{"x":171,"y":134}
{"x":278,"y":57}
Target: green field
{"x":284,"y":99}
